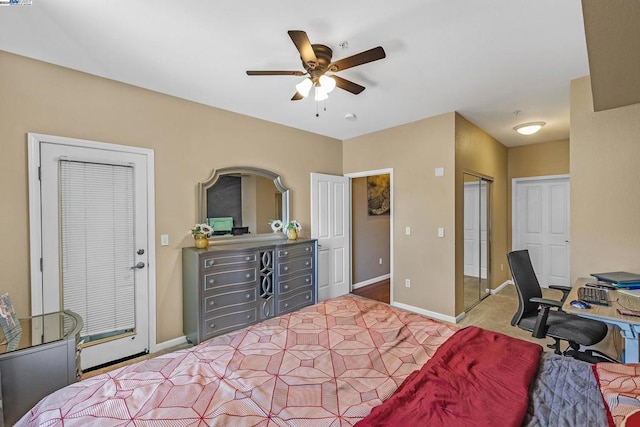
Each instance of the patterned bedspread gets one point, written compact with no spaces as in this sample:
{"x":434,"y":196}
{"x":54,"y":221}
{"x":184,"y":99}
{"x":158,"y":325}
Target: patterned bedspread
{"x":620,"y":387}
{"x":325,"y":365}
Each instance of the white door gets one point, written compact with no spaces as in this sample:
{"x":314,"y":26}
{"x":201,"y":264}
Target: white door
{"x":106,"y":267}
{"x":330,"y":224}
{"x":541,"y":225}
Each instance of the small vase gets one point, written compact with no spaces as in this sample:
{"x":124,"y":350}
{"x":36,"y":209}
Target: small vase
{"x":201,"y":241}
{"x":292,"y":234}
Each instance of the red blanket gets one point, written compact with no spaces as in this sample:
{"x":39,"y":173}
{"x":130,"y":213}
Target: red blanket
{"x":476,"y":378}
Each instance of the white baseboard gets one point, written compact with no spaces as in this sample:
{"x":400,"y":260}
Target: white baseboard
{"x":501,"y":287}
{"x":432,"y":314}
{"x":171,"y":343}
{"x":371,"y":281}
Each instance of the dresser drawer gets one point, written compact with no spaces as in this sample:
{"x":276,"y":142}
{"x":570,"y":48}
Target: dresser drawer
{"x":221,"y":324}
{"x":221,"y":260}
{"x":231,"y":277}
{"x":296,"y":266}
{"x":295,"y":283}
{"x":229,"y":299}
{"x":292,"y":251}
{"x":295,"y":301}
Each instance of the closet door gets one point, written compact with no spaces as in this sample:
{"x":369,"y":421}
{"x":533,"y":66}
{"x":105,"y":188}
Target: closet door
{"x":476,"y":231}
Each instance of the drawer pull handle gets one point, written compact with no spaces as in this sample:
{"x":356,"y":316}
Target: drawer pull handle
{"x":211,"y":281}
{"x":307,"y":263}
{"x":286,"y":287}
{"x":286,"y":304}
{"x":248,"y":275}
{"x":248,"y":316}
{"x":248,"y":296}
{"x":307,"y":297}
{"x":286,"y":268}
{"x":307,"y":280}
{"x":208,"y":262}
{"x":285,"y":253}
{"x":307,"y":249}
{"x":213,"y":325}
{"x":211,"y":302}
{"x":248,"y":258}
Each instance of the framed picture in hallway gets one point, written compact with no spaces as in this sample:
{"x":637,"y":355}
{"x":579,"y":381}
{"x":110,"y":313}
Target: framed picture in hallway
{"x":379,"y":195}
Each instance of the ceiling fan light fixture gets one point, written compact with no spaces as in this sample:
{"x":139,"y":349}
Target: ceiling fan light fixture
{"x":328,"y":83}
{"x":304,"y":87}
{"x":320,"y":94}
{"x":529,"y":128}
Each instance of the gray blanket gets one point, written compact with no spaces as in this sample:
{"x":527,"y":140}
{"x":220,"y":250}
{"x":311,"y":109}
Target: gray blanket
{"x":565,"y":393}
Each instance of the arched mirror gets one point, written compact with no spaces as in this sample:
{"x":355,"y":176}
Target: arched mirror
{"x":240,"y":201}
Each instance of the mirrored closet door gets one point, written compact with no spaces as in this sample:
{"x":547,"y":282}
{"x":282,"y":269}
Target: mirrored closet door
{"x":477,"y":230}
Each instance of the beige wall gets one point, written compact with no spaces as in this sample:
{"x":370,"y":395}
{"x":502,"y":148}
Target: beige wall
{"x":420,"y":200}
{"x":605,"y":200}
{"x":189,"y":140}
{"x":478,"y":152}
{"x":370,"y":237}
{"x":547,"y":158}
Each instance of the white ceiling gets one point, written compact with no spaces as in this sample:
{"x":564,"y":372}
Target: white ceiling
{"x":484,"y":59}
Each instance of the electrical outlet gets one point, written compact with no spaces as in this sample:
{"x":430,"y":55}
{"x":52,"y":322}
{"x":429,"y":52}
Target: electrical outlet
{"x":164,"y":240}
{"x":380,"y":261}
{"x":407,"y":283}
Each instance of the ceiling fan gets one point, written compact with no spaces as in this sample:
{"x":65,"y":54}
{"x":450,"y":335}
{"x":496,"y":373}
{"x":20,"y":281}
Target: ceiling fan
{"x":316,"y":60}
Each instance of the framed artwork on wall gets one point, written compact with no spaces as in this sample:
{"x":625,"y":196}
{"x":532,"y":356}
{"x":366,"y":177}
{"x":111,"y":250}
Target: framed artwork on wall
{"x":379,"y":195}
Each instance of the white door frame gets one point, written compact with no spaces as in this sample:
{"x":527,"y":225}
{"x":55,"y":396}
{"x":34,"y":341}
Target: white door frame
{"x":514,"y":186}
{"x":35,"y":237}
{"x":363,"y":175}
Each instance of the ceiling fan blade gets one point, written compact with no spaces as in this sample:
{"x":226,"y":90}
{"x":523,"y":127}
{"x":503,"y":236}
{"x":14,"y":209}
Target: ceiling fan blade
{"x":358,"y":59}
{"x":276,"y":73}
{"x":303,"y":45}
{"x":297,"y":97}
{"x":347,"y":85}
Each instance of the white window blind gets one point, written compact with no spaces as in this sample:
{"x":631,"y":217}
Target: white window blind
{"x":97,"y":239}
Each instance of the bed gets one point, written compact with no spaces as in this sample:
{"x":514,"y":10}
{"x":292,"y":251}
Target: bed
{"x":341,"y":362}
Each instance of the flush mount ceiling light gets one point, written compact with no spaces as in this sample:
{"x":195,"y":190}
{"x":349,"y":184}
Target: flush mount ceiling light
{"x":529,"y":128}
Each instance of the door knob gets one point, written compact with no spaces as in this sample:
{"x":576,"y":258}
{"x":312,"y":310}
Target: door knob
{"x":138,"y":265}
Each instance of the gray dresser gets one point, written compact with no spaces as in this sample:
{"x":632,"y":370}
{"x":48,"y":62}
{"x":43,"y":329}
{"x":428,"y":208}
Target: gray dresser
{"x":230,"y":286}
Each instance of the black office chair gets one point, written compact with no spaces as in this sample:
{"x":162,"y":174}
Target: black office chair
{"x":535,"y":315}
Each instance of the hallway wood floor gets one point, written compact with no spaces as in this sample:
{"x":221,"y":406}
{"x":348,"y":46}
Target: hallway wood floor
{"x":378,"y":291}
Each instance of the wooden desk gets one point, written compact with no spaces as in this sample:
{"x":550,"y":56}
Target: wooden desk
{"x":629,"y":325}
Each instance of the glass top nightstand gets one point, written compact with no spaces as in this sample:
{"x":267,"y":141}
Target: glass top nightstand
{"x":38,"y":330}
{"x":38,"y":357}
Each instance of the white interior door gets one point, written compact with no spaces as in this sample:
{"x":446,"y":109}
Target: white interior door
{"x":79,"y":250}
{"x":541,"y":225}
{"x":330,"y":224}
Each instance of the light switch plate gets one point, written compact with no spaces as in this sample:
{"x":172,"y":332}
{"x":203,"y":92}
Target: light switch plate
{"x":164,"y":240}
{"x":407,"y":231}
{"x":440,"y":232}
{"x":439,"y":171}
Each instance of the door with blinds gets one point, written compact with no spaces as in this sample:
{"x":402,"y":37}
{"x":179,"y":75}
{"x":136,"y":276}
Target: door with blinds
{"x":94,"y":246}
